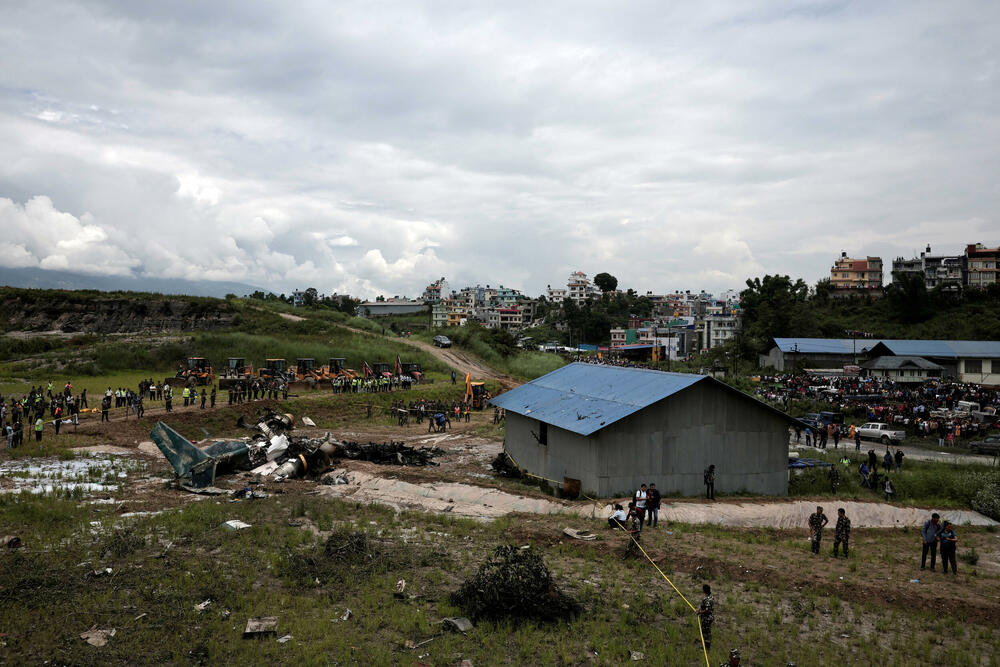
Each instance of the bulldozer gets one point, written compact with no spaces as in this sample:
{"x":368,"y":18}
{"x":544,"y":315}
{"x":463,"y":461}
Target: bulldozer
{"x":337,"y":367}
{"x":197,"y":372}
{"x":275,"y":369}
{"x":414,"y":371}
{"x":236,"y":370}
{"x":307,"y":374}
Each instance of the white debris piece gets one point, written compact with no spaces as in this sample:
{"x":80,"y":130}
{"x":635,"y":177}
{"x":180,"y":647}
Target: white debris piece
{"x":278,"y":446}
{"x":235,"y":524}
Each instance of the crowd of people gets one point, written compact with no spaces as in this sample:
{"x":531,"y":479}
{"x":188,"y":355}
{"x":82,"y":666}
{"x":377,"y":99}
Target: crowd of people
{"x":925,"y":409}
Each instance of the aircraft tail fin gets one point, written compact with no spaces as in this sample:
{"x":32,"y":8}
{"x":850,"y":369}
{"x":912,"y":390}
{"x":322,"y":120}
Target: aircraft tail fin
{"x":183,"y":455}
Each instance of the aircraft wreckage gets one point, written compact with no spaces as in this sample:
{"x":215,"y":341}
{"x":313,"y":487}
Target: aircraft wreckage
{"x":273,"y":451}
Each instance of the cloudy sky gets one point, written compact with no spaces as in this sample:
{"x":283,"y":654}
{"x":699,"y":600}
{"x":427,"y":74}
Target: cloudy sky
{"x":369,"y":148}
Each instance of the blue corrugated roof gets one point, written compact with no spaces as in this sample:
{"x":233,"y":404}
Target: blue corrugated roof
{"x":945,"y":349}
{"x":584,"y":398}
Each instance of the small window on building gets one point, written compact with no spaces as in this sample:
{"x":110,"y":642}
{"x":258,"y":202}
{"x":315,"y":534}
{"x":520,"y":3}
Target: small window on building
{"x":543,"y":433}
{"x":973,"y":365}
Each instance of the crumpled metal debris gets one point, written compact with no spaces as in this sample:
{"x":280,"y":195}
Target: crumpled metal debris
{"x":585,"y":535}
{"x":258,"y":627}
{"x":387,"y":453}
{"x":504,"y":466}
{"x":457,"y":624}
{"x":10,"y":541}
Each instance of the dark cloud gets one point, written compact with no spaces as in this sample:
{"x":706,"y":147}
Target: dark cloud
{"x":372,"y":148}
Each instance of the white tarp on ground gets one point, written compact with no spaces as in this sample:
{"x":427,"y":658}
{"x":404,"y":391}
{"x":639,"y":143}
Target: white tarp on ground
{"x":487,"y":503}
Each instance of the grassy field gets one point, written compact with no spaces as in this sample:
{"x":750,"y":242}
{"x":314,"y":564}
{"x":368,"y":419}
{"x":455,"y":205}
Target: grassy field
{"x":774,"y":600}
{"x":921,"y":483}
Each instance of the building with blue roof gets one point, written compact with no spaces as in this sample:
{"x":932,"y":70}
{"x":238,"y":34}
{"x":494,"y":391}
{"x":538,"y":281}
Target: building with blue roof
{"x":969,"y":361}
{"x":614,"y":428}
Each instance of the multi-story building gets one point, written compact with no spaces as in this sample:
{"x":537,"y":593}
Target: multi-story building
{"x":554,"y":295}
{"x":579,"y":288}
{"x":936,"y":270}
{"x":983,"y":264}
{"x":505,"y":297}
{"x":439,"y":313}
{"x":436,"y":291}
{"x":714,"y":330}
{"x":504,"y":318}
{"x":854,"y":276}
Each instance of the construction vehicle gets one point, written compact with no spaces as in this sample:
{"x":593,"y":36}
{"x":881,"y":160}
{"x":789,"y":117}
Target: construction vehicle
{"x":382,"y":370}
{"x":476,"y":394}
{"x":307,"y":374}
{"x":274,"y":369}
{"x":414,"y":371}
{"x":337,"y":367}
{"x":197,"y":372}
{"x":236,"y":370}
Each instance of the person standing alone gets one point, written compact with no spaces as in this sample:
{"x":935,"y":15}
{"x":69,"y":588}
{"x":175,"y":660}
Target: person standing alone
{"x":706,"y":615}
{"x":710,"y":482}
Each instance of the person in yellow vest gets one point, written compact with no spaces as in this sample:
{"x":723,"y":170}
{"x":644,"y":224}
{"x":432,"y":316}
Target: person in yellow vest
{"x":186,"y":394}
{"x":39,"y":425}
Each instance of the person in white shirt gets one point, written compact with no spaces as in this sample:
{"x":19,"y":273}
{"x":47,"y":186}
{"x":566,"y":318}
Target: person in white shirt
{"x":618,"y":518}
{"x":640,"y":503}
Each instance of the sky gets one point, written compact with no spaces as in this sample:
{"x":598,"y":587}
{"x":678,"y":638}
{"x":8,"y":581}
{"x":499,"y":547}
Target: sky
{"x":370,"y":148}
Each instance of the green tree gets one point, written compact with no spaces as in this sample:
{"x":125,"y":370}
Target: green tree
{"x":908,"y":298}
{"x":606,"y":282}
{"x":774,"y":307}
{"x":310,"y":296}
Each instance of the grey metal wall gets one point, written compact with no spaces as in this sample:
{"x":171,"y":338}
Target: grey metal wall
{"x":669,"y":443}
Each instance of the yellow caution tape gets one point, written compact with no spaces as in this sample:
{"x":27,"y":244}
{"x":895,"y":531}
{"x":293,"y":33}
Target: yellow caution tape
{"x":701,"y":635}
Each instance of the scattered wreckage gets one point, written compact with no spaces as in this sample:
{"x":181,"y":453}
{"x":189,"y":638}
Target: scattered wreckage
{"x":273,"y":451}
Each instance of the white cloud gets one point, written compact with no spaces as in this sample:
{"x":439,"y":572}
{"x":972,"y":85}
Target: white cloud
{"x":39,"y":235}
{"x":685,"y":147}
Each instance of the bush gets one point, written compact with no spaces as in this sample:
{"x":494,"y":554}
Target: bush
{"x":987,"y":496}
{"x":514,"y":585}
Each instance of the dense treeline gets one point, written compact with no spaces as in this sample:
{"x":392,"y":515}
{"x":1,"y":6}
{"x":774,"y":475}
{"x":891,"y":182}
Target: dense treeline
{"x":777,"y":306}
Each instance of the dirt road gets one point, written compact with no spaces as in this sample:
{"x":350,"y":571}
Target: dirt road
{"x":460,"y":361}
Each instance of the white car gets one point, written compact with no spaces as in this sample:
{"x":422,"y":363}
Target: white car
{"x":884,"y":433}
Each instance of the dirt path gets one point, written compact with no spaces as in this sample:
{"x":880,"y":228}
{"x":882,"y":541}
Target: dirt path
{"x":460,"y":361}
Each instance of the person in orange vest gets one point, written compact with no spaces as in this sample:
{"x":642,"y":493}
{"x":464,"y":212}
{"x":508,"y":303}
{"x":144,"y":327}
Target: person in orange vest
{"x":57,"y":414}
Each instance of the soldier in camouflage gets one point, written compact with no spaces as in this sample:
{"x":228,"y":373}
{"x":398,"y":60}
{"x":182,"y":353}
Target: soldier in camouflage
{"x":842,"y":533}
{"x":816,"y":523}
{"x":734,"y":659}
{"x":706,"y":614}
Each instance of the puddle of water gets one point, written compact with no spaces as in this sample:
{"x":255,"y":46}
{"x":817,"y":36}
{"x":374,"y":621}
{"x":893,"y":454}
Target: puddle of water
{"x":80,"y":476}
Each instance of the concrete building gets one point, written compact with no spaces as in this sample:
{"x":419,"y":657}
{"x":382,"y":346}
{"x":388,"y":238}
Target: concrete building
{"x":903,"y":369}
{"x":436,"y":291}
{"x":856,"y":276}
{"x":391,"y":307}
{"x":715,"y":329}
{"x":508,"y":319}
{"x":554,"y":295}
{"x":439,"y":313}
{"x":946,"y":271}
{"x":983,"y":265}
{"x":615,"y":428}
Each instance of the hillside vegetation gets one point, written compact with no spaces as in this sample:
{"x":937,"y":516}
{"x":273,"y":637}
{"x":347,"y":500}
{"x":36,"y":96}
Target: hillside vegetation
{"x":775,"y":306}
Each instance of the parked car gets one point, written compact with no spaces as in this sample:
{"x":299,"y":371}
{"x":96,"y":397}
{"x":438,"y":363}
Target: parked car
{"x":442,"y":341}
{"x":882,"y":432}
{"x":991,"y":445}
